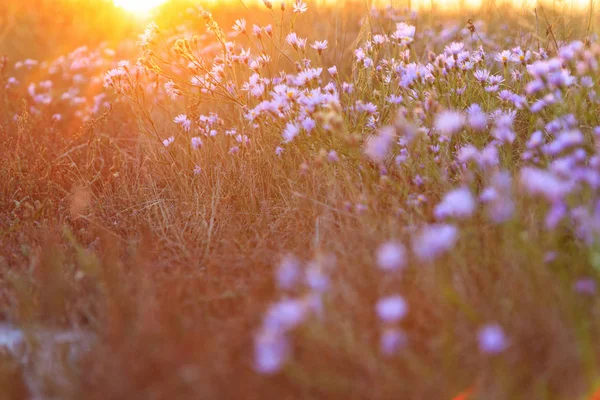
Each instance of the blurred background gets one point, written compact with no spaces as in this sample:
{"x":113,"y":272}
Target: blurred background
{"x":42,"y":29}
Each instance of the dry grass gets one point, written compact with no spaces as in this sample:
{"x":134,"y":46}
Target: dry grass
{"x":171,"y":272}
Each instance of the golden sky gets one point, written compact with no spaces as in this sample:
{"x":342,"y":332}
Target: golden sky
{"x":142,"y":6}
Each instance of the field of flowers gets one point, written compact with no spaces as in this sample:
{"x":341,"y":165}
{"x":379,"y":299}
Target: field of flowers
{"x":296,"y":201}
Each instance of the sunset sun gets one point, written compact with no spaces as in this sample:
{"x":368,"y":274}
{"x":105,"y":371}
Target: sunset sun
{"x":138,"y":5}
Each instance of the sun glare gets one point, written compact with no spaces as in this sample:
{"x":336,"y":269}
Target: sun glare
{"x":138,"y":6}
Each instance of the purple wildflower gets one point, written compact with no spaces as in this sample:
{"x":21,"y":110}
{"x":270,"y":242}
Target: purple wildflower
{"x":270,"y":352}
{"x":288,"y":272}
{"x":434,"y":240}
{"x":541,"y":182}
{"x":458,"y":203}
{"x":585,"y":286}
{"x":392,"y":340}
{"x":492,"y":339}
{"x":447,"y":123}
{"x":391,"y":309}
{"x":377,"y":146}
{"x":391,"y":256}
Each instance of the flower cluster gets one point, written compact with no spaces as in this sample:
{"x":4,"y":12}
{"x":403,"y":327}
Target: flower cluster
{"x":302,"y":287}
{"x":461,"y":136}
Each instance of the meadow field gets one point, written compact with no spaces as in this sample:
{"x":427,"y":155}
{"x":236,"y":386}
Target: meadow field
{"x":299,"y":200}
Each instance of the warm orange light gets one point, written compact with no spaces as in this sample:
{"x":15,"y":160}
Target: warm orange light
{"x":465,"y":395}
{"x":138,"y":6}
